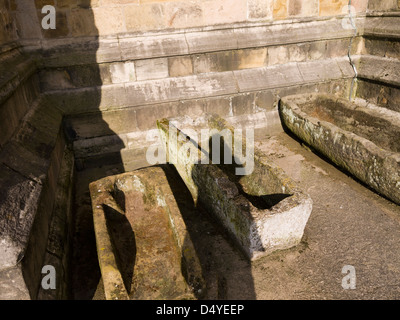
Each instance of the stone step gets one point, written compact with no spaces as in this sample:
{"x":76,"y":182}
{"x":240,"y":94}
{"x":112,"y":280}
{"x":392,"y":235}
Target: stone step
{"x":140,"y":93}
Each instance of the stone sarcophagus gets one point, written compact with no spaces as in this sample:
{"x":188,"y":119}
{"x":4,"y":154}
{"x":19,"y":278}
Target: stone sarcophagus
{"x":256,"y":202}
{"x":359,"y":137}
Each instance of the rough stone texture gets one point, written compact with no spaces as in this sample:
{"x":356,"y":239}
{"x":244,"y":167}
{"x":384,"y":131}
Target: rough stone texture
{"x":278,"y":55}
{"x":332,"y":8}
{"x":259,"y":229}
{"x":259,"y":9}
{"x":81,"y":51}
{"x":117,"y":53}
{"x":381,"y":95}
{"x":32,"y":131}
{"x":151,"y":69}
{"x":384,"y":5}
{"x":76,"y":19}
{"x":7,"y":24}
{"x":157,"y":271}
{"x":60,"y":232}
{"x":360,"y":141}
{"x":180,"y":66}
{"x":12,"y":285}
{"x":104,"y":135}
{"x":381,"y":70}
{"x":303,"y":8}
{"x":20,"y":197}
{"x":280,"y":9}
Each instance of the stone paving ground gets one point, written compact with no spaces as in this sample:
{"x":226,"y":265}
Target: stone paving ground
{"x":349,"y":225}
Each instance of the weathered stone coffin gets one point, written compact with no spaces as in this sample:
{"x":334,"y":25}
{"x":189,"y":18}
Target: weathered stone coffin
{"x":263,"y":209}
{"x":357,"y":136}
{"x":144,"y":249}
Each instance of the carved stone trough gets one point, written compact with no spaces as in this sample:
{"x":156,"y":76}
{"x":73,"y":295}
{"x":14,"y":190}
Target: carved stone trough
{"x":357,"y":136}
{"x":144,"y":249}
{"x":261,"y":207}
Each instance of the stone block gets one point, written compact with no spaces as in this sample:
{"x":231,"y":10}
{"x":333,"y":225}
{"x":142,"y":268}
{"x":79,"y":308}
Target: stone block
{"x":317,"y":50}
{"x":11,"y":113}
{"x":90,"y":125}
{"x":360,"y":5}
{"x":217,"y":12}
{"x":184,"y":14}
{"x":337,"y":48}
{"x":28,"y":22}
{"x":41,"y":3}
{"x":251,"y":58}
{"x":278,"y":55}
{"x":321,"y":70}
{"x":393,"y":50}
{"x":267,"y":78}
{"x":266,"y":100}
{"x":134,"y":48}
{"x":55,"y":80}
{"x":180,"y":66}
{"x":105,"y":73}
{"x":215,"y":62}
{"x":332,"y":8}
{"x":109,"y":20}
{"x":243,"y":104}
{"x":298,"y":52}
{"x":18,"y":205}
{"x":122,"y":72}
{"x":145,"y":17}
{"x":382,"y":5}
{"x":108,"y":50}
{"x":303,"y":8}
{"x":147,"y":116}
{"x":83,"y":23}
{"x":64,"y":3}
{"x":259,"y":9}
{"x":221,"y":106}
{"x":174,"y":89}
{"x":151,"y":69}
{"x":12,"y":285}
{"x":211,"y":41}
{"x":280,"y":9}
{"x":73,"y":53}
{"x":122,"y":121}
{"x":75,"y":101}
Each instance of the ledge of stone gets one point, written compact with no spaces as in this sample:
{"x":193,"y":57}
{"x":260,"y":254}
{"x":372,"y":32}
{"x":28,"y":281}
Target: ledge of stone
{"x":79,"y":51}
{"x":383,"y":26}
{"x":140,"y":93}
{"x":379,"y":69}
{"x":13,"y":71}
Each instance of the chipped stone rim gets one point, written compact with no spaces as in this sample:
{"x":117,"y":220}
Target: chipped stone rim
{"x":258,"y":232}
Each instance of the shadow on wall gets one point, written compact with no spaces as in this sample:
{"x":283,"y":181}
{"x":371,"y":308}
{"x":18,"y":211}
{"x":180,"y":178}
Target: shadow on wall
{"x":227,"y":271}
{"x":85,"y":273}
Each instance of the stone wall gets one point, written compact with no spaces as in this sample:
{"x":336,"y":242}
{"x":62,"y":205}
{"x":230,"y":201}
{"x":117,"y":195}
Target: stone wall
{"x":112,"y":67}
{"x":75,"y":17}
